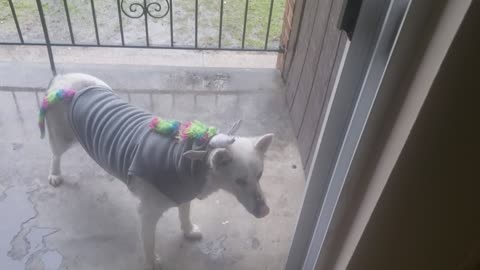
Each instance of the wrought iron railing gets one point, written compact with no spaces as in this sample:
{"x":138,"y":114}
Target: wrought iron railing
{"x":132,"y":95}
{"x":146,"y":10}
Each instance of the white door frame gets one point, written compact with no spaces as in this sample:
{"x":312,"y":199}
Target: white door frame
{"x":365,"y":92}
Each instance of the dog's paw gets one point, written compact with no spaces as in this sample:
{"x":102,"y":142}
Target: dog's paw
{"x":194,"y":234}
{"x":157,"y":265}
{"x":55,"y":180}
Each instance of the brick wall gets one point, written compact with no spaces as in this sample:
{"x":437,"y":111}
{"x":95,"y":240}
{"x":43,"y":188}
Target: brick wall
{"x":286,"y":29}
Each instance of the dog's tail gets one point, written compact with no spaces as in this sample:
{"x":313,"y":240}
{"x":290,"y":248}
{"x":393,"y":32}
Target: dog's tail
{"x":43,"y":111}
{"x":52,"y":97}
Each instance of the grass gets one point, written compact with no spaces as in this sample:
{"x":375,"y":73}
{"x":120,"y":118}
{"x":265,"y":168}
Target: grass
{"x":233,"y":20}
{"x":22,"y":8}
{"x":184,"y":19}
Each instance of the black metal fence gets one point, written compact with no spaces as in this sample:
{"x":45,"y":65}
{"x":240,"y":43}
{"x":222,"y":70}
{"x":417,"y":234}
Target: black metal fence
{"x":140,"y":9}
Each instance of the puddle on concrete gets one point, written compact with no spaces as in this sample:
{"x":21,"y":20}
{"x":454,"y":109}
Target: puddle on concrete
{"x":15,"y":211}
{"x":214,"y":249}
{"x":51,"y":259}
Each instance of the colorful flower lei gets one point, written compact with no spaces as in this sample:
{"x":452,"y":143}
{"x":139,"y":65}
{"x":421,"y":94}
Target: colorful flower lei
{"x":195,"y":130}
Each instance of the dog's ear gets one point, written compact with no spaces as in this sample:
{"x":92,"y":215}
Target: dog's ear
{"x":262,"y":143}
{"x":220,"y":157}
{"x":195,"y":155}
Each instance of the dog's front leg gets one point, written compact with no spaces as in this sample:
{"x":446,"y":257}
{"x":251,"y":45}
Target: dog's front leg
{"x":190,"y":231}
{"x":152,"y":205}
{"x":148,"y":223}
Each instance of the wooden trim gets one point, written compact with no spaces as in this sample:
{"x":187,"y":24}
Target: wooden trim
{"x":322,"y":109}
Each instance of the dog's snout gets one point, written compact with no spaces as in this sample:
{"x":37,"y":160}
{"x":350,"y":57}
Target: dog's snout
{"x":259,"y":198}
{"x":262,"y":210}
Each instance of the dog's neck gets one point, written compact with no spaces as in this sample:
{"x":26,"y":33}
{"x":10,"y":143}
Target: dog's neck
{"x":211,"y":186}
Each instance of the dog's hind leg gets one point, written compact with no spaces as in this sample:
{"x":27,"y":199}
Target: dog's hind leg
{"x":61,"y":138}
{"x":190,"y":231}
{"x":60,"y":135}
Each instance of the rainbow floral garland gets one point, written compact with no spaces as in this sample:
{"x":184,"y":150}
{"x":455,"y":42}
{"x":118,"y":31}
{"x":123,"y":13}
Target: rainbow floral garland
{"x":195,"y":130}
{"x":51,"y":98}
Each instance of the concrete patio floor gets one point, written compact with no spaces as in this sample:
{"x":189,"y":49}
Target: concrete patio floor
{"x":90,"y":221}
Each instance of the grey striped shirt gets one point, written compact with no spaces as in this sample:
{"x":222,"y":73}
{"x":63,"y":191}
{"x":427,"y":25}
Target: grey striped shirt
{"x":117,"y":136}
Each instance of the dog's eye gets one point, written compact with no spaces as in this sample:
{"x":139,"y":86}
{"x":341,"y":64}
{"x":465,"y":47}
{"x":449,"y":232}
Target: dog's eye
{"x":241,"y":182}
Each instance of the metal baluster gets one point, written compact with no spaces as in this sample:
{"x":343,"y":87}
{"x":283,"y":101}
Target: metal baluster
{"x":120,"y":22}
{"x":19,"y":31}
{"x":47,"y":38}
{"x":221,"y":25}
{"x":171,"y":24}
{"x":67,"y":13}
{"x":269,"y":23}
{"x":152,"y":106}
{"x":37,"y":98}
{"x":95,"y":22}
{"x":196,"y":23}
{"x":145,"y":13}
{"x":245,"y":24}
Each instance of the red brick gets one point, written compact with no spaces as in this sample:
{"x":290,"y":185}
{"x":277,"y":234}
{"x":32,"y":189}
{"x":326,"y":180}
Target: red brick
{"x":286,"y":29}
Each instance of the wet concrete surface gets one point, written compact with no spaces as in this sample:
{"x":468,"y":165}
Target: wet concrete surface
{"x":139,"y":57}
{"x":90,"y":221}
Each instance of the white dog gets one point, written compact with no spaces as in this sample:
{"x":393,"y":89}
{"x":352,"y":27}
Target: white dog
{"x":232,"y":164}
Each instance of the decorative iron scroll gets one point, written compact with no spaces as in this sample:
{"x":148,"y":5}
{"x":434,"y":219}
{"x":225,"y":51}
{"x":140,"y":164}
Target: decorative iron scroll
{"x":140,"y":8}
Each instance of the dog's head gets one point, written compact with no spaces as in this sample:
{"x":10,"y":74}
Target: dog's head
{"x":236,"y":166}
